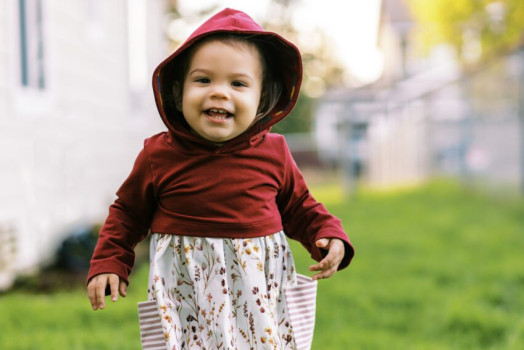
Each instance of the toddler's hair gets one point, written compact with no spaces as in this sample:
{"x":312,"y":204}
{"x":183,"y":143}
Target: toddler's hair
{"x":272,"y":85}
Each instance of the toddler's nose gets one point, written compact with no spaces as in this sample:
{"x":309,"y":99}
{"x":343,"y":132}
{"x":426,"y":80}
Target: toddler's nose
{"x":220,"y":92}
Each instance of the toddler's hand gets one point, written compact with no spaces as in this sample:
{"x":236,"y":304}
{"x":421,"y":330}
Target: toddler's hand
{"x":329,"y":265}
{"x":96,"y":289}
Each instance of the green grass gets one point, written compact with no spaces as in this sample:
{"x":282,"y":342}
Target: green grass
{"x":437,"y":267}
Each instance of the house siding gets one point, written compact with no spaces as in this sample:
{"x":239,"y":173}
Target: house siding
{"x":65,"y":151}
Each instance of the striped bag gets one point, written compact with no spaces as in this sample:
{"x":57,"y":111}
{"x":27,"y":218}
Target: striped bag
{"x":301,"y":303}
{"x":151,"y":333}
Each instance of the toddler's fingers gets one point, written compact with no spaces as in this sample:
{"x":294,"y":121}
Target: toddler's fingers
{"x":326,"y":268}
{"x":329,"y":265}
{"x":114,"y":286}
{"x":101,"y":284}
{"x":91,"y":293}
{"x":323,"y":243}
{"x":324,"y":274}
{"x":123,"y":288}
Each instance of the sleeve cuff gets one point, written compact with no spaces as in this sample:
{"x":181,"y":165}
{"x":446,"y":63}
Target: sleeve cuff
{"x":115,"y":267}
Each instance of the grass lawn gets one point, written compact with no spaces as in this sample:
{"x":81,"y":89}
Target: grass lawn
{"x":437,"y":267}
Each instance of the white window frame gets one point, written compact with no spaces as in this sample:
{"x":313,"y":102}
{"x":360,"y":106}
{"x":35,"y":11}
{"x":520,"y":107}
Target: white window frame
{"x":30,"y":57}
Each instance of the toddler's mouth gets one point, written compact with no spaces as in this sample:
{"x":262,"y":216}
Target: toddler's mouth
{"x":218,"y":114}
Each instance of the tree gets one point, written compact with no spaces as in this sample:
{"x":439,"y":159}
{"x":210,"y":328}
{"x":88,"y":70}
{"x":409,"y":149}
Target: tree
{"x":321,"y":68}
{"x":477,"y":29}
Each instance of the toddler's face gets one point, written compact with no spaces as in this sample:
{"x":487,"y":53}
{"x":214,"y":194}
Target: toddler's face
{"x":222,"y":89}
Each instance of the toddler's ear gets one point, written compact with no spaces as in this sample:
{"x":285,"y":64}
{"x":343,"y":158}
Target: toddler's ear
{"x":177,"y":95}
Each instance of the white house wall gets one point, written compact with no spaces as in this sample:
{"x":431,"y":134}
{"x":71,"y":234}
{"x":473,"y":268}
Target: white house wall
{"x":64,"y":153}
{"x":3,"y":59}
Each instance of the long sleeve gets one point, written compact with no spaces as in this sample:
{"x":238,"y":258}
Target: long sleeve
{"x":127,"y":224}
{"x":306,"y":220}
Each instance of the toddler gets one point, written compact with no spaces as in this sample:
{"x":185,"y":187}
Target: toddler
{"x":219,"y":194}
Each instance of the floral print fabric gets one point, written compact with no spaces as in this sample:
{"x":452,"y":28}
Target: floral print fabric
{"x":222,"y":293}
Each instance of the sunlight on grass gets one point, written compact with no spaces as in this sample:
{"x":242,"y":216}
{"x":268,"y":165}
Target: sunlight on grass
{"x":328,"y":194}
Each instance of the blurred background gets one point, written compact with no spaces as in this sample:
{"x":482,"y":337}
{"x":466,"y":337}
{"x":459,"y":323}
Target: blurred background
{"x":410,"y":127}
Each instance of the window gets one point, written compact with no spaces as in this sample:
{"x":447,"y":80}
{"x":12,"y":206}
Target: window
{"x":31,"y":43}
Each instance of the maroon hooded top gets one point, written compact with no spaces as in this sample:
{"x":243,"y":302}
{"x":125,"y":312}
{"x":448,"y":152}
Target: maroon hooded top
{"x":184,"y":185}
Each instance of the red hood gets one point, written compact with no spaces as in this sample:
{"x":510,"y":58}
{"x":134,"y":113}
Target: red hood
{"x":229,"y":20}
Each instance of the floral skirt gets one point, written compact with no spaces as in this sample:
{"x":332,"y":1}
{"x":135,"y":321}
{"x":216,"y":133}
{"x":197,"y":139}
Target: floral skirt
{"x":210,"y":293}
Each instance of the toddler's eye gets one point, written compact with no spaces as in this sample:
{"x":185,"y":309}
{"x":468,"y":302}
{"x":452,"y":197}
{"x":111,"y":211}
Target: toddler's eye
{"x":202,"y":80}
{"x":238,"y":84}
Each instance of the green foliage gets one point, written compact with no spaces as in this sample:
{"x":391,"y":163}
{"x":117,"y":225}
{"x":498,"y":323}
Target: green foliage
{"x":437,"y":267}
{"x":300,"y":118}
{"x":496,"y":24}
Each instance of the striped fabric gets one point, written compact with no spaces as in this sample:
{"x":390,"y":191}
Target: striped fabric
{"x":151,"y":333}
{"x":301,"y":303}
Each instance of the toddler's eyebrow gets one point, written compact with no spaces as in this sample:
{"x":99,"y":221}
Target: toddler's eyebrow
{"x":243,"y":75}
{"x":208,"y":72}
{"x":199,"y":71}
